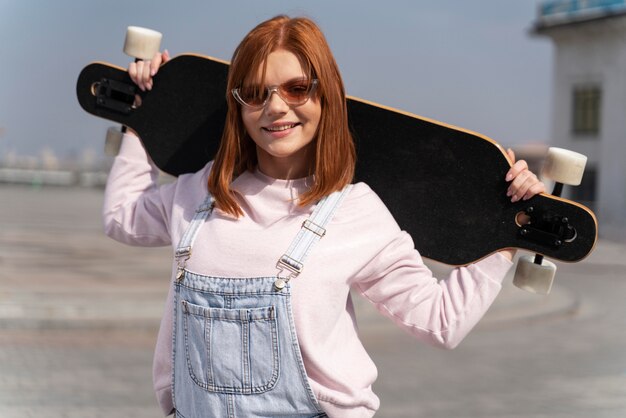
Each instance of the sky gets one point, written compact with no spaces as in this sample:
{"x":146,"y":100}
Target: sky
{"x":470,"y":64}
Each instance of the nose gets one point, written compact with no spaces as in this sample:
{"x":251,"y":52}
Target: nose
{"x":275,"y":103}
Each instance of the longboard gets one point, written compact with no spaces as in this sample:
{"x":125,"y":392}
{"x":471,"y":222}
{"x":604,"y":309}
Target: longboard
{"x":444,"y":185}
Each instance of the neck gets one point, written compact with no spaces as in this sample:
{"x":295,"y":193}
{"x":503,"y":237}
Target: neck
{"x":285,"y":168}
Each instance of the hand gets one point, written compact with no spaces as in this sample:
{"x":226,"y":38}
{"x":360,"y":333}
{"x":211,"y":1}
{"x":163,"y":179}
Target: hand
{"x":141,"y":72}
{"x":524,"y":183}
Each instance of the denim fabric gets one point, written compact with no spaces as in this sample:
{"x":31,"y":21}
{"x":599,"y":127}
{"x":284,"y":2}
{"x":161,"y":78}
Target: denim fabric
{"x":235,"y":349}
{"x":236,"y":353}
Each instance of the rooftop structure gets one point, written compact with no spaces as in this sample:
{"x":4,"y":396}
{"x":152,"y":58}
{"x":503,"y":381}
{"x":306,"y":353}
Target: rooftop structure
{"x":559,"y":12}
{"x":589,"y":99}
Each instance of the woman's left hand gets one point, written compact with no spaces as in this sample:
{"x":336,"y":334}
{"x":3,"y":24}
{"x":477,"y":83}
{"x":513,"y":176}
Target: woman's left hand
{"x":524,"y":183}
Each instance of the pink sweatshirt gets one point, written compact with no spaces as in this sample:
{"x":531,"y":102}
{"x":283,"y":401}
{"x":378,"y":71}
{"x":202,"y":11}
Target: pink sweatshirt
{"x":363,"y":250}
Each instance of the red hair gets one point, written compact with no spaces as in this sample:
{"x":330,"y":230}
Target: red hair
{"x":335,"y":155}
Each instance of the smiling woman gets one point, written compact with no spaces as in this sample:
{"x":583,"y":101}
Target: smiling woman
{"x":284,"y":134}
{"x":306,"y":55}
{"x":248,"y":331}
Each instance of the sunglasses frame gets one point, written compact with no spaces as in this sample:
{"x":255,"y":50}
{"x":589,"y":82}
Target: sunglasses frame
{"x":276,"y":89}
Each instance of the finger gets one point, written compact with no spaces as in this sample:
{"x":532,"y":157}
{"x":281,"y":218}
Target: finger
{"x":515,"y":184}
{"x":534,"y":189}
{"x":146,"y":76}
{"x":139,"y":66}
{"x":526,"y":186}
{"x":132,"y":72}
{"x":516,"y":187}
{"x":155,"y":64}
{"x":516,"y":169}
{"x":158,"y":60}
{"x":511,"y":155}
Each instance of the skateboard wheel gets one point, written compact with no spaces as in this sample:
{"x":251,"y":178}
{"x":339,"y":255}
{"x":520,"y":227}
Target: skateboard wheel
{"x":113,"y":141}
{"x":142,"y":43}
{"x":564,"y":166}
{"x":534,"y":278}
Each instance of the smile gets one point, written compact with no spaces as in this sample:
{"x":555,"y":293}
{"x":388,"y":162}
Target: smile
{"x":279,"y":128}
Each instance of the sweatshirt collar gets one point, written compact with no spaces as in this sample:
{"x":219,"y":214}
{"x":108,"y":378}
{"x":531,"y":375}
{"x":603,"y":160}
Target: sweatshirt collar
{"x":266,"y":198}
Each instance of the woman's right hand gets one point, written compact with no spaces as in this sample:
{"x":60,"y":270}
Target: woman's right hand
{"x":141,"y":72}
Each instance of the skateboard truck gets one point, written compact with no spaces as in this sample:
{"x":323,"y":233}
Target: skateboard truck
{"x":547,"y":228}
{"x":115,"y":95}
{"x":119,"y":97}
{"x":535,"y":274}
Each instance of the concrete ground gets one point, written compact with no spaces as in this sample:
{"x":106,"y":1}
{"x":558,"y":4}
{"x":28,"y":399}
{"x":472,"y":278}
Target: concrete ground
{"x":79,"y":314}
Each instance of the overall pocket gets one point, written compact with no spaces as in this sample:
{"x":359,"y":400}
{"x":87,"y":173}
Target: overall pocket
{"x":231,"y":350}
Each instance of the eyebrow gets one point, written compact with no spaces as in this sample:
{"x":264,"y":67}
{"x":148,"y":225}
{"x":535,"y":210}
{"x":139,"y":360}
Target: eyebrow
{"x":291,"y":80}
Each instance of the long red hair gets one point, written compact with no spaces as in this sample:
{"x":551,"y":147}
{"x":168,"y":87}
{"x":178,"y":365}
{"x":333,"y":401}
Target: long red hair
{"x":335,"y":155}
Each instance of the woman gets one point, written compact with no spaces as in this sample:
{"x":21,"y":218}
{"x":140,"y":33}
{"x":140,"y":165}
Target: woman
{"x":270,"y":238}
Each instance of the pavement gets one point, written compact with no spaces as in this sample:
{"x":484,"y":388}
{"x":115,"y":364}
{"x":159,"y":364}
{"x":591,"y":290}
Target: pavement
{"x":79,"y":312}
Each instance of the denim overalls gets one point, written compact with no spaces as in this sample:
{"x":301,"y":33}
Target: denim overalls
{"x":235,"y":348}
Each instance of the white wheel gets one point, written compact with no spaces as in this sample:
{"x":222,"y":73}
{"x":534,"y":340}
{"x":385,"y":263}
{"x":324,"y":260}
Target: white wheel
{"x":113,"y":141}
{"x":142,"y":43}
{"x":564,"y":166}
{"x":533,"y":277}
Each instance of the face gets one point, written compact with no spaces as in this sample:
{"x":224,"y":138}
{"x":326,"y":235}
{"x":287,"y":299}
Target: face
{"x":284,"y":134}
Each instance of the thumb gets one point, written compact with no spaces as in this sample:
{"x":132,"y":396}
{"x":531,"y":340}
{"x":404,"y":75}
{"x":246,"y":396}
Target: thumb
{"x":511,"y":155}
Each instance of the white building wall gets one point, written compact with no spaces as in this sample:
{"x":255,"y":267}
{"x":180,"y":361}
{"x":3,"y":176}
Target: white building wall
{"x":595,"y":53}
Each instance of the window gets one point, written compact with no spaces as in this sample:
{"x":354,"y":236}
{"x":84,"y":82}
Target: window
{"x":586,"y":110}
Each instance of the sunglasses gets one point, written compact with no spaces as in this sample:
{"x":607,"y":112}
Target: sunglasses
{"x":294,"y":93}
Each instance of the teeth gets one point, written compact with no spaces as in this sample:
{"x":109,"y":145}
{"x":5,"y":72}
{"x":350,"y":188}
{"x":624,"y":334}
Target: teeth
{"x":280,"y":128}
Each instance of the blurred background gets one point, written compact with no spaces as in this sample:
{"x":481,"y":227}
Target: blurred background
{"x":78,"y":313}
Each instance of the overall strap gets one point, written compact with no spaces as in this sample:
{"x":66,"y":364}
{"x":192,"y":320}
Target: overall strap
{"x":183,"y":251}
{"x":312,"y":230}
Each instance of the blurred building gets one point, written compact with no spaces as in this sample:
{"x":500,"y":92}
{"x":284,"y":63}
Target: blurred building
{"x":589,"y":99}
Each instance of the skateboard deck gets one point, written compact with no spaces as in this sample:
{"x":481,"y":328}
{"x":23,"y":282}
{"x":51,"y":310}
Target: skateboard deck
{"x":444,"y":185}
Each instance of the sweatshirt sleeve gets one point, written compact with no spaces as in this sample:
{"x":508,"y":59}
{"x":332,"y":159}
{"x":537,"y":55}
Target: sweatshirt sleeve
{"x":136,"y":211}
{"x":402,"y":287}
